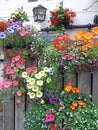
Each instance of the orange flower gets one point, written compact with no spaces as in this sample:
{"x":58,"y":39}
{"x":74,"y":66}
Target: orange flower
{"x":74,"y":104}
{"x":80,"y":102}
{"x":84,"y":105}
{"x":77,"y":90}
{"x":84,"y":48}
{"x":68,"y":88}
{"x":88,"y":35}
{"x":73,"y":90}
{"x":95,"y":30}
{"x":96,"y":43}
{"x":89,"y":45}
{"x":72,"y":107}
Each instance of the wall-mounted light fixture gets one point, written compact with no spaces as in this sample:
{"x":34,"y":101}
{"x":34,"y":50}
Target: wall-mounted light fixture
{"x":39,"y":13}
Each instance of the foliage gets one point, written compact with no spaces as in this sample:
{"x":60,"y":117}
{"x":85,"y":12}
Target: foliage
{"x":18,"y":15}
{"x":71,"y":110}
{"x":61,"y":17}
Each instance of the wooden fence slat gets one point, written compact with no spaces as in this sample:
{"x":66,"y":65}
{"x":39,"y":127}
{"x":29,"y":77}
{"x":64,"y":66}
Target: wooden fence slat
{"x":95,"y":87}
{"x":9,"y":115}
{"x":84,"y":81}
{"x":1,"y":121}
{"x":19,"y":113}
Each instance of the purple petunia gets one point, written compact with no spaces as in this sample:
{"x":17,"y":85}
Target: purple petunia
{"x":2,"y":35}
{"x":10,"y":30}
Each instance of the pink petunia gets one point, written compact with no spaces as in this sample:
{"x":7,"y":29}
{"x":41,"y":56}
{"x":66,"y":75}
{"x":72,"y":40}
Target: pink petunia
{"x":8,"y":70}
{"x":19,"y":93}
{"x":29,"y":32}
{"x":18,"y":28}
{"x":12,"y":71}
{"x":23,"y":33}
{"x":18,"y":65}
{"x":4,"y":63}
{"x":1,"y":87}
{"x":21,"y":61}
{"x":14,"y":77}
{"x":50,"y":118}
{"x":7,"y":84}
{"x":15,"y":82}
{"x":48,"y":112}
{"x":13,"y":60}
{"x":17,"y":58}
{"x":12,"y":64}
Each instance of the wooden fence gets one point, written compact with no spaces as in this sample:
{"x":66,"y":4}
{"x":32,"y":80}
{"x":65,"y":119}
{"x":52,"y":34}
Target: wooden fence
{"x":11,"y":117}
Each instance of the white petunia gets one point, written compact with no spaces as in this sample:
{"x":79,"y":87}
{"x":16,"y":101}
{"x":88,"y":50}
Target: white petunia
{"x":38,"y":76}
{"x":39,"y":82}
{"x":32,"y":95}
{"x":39,"y":94}
{"x":24,"y":74}
{"x":42,"y":73}
{"x":35,"y":88}
{"x":46,"y":69}
{"x":31,"y":80}
{"x":48,"y":80}
{"x":42,"y":101}
{"x":29,"y":86}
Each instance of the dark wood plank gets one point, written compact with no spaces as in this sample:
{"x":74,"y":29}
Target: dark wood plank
{"x":95,"y":87}
{"x":84,"y":81}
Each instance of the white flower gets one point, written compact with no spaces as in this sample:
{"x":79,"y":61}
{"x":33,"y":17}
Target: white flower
{"x":31,"y":80}
{"x":39,"y":82}
{"x":51,"y":70}
{"x":48,"y":80}
{"x":29,"y":86}
{"x":39,"y":94}
{"x":42,"y":73}
{"x":42,"y":101}
{"x":35,"y":88}
{"x":46,"y":69}
{"x":24,"y":74}
{"x":32,"y":95}
{"x":38,"y":76}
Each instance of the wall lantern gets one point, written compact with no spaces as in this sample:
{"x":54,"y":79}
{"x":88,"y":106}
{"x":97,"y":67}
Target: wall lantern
{"x":39,"y":13}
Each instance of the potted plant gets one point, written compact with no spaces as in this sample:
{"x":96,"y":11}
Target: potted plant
{"x":61,"y":17}
{"x":18,"y":15}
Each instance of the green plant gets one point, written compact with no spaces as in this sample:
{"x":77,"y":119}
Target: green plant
{"x":70,"y":110}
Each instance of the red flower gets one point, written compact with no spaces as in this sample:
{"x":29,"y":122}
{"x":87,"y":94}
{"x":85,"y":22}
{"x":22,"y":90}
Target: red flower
{"x":53,"y":127}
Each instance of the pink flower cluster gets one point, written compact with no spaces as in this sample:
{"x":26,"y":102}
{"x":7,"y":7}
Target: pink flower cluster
{"x":49,"y":117}
{"x":11,"y":71}
{"x":24,"y":32}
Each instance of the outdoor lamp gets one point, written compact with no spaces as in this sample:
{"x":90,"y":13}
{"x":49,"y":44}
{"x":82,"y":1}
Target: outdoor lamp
{"x":39,"y":13}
